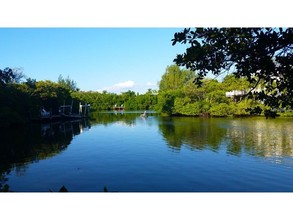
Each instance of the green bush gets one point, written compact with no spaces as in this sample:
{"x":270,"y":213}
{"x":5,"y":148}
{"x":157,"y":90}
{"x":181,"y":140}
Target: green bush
{"x":184,"y":106}
{"x":221,"y":110}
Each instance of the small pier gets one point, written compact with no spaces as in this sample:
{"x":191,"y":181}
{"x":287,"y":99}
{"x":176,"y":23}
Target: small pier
{"x":64,"y":113}
{"x":118,"y":108}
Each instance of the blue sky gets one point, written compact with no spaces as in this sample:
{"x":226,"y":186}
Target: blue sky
{"x":112,"y":59}
{"x":111,"y":56}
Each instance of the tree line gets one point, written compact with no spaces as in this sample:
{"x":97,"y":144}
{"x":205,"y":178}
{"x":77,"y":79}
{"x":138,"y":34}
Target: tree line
{"x":22,"y":98}
{"x":179,"y":96}
{"x":128,"y":100}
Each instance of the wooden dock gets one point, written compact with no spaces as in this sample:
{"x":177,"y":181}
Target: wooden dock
{"x":118,"y":108}
{"x":65,"y":113}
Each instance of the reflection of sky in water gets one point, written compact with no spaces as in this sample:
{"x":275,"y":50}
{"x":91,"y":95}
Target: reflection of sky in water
{"x":130,"y":153}
{"x":270,"y":139}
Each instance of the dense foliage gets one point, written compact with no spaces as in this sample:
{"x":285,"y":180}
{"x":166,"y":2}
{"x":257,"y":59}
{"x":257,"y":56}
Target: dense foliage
{"x":261,"y":55}
{"x":209,"y":99}
{"x":106,"y":101}
{"x":22,"y":98}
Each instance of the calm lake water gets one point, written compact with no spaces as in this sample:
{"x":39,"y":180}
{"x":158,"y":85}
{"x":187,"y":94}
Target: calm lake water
{"x":128,"y":153}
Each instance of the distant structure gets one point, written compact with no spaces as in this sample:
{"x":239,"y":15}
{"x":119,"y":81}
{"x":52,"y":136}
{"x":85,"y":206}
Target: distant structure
{"x":236,"y":95}
{"x":118,"y":108}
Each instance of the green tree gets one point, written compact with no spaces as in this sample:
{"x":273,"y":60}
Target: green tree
{"x":8,"y":76}
{"x":221,"y":110}
{"x":51,"y":95}
{"x":184,"y":106}
{"x":128,"y":100}
{"x":67,"y":83}
{"x":259,"y":54}
{"x":15,"y":98}
{"x":166,"y":101}
{"x":175,"y":78}
{"x":230,"y":83}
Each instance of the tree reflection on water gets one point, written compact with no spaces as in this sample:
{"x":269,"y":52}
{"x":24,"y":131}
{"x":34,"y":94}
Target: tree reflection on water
{"x":21,"y":146}
{"x":256,"y":136}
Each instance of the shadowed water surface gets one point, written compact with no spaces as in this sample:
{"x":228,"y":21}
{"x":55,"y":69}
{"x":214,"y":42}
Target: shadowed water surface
{"x":129,"y":153}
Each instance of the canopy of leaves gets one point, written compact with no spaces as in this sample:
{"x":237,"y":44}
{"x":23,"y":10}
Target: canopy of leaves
{"x":67,"y":83}
{"x":209,"y":99}
{"x":9,"y":75}
{"x":175,"y":78}
{"x":258,"y":54}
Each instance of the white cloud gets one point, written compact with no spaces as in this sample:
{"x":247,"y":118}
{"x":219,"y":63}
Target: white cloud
{"x":120,"y":87}
{"x":151,"y":84}
{"x":130,"y":85}
{"x":123,"y":85}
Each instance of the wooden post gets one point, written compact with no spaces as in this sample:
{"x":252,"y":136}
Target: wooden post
{"x":71,"y":106}
{"x":80,"y":109}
